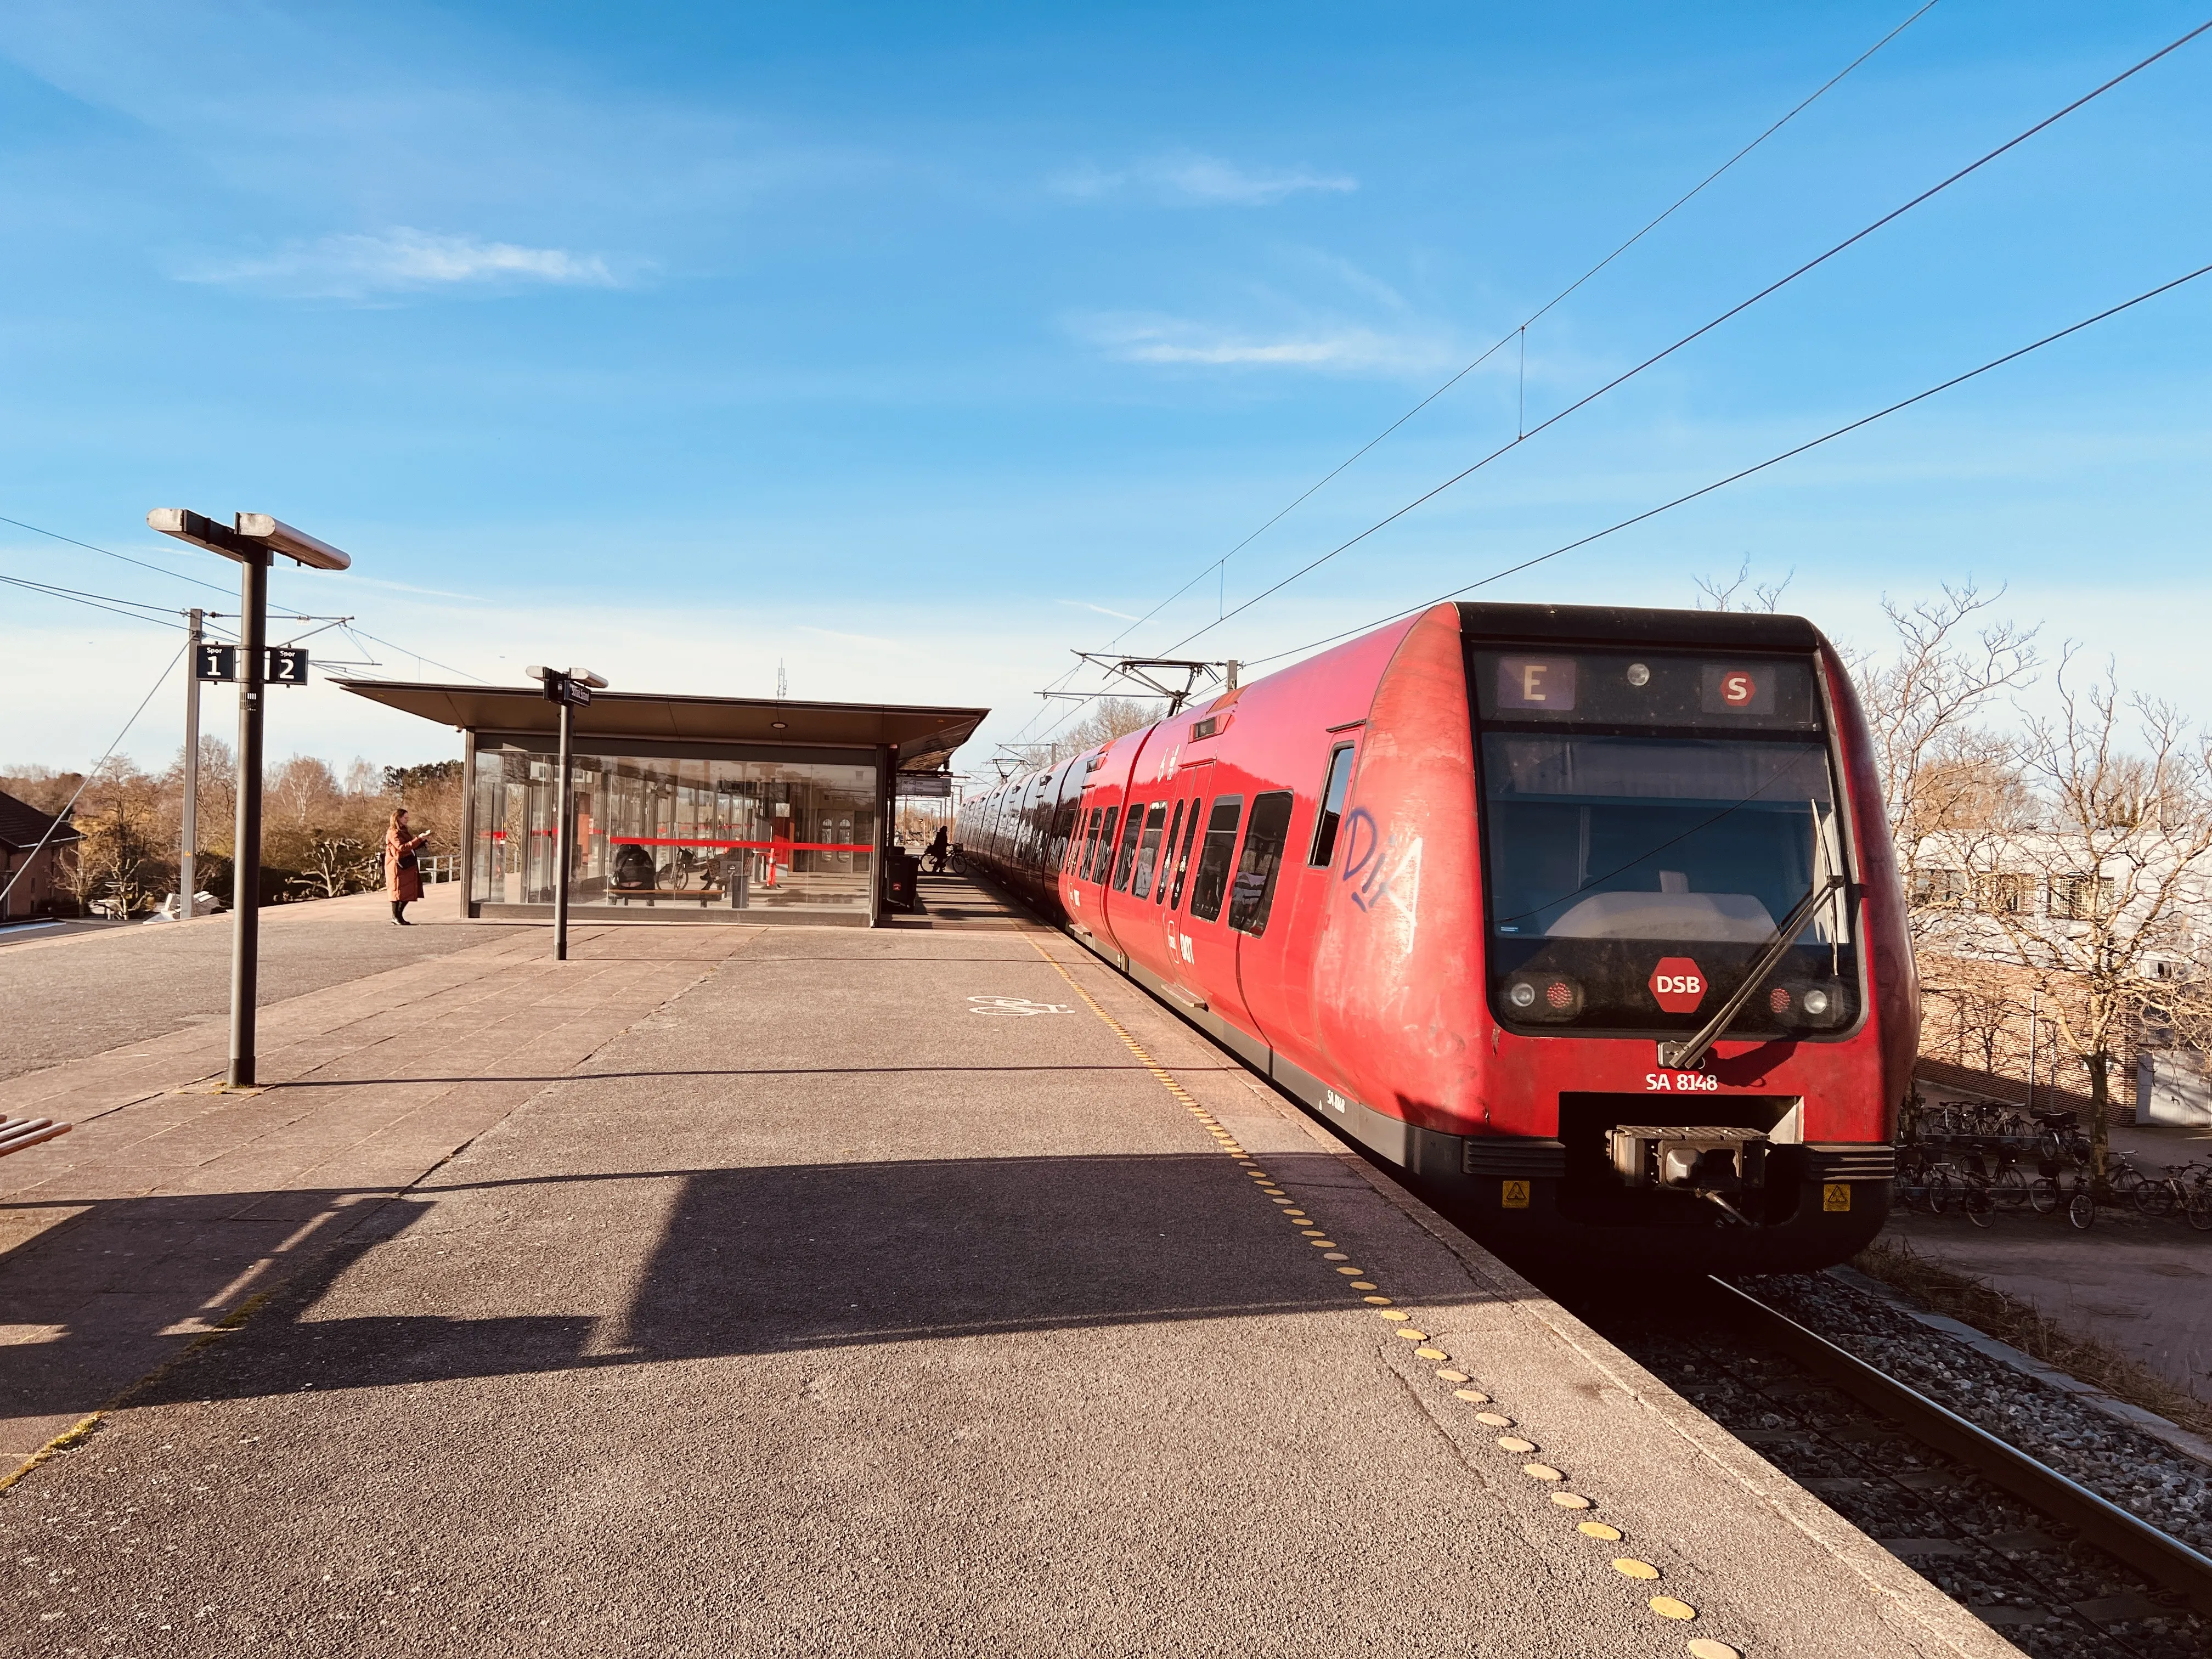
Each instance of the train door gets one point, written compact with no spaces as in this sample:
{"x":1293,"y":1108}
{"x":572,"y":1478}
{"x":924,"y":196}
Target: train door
{"x":1172,"y":895}
{"x":1278,"y":931}
{"x":1206,"y":947}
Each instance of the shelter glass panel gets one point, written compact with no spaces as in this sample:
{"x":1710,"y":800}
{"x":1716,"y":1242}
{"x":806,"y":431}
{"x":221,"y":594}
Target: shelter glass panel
{"x":663,"y":833}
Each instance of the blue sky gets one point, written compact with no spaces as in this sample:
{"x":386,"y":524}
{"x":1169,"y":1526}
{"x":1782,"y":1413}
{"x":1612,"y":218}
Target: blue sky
{"x":913,"y":350}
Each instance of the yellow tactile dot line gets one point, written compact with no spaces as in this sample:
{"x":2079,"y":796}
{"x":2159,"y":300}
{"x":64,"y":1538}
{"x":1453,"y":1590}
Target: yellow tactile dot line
{"x":1666,"y":1607}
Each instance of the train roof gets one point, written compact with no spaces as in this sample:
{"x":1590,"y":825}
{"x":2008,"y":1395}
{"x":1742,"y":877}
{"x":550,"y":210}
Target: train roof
{"x":1629,"y":625}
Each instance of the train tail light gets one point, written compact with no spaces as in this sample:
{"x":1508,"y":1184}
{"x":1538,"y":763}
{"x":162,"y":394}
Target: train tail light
{"x":1543,"y":997}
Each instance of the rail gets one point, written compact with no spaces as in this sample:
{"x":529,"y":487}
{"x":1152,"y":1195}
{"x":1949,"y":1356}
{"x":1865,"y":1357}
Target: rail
{"x":2135,"y":1543}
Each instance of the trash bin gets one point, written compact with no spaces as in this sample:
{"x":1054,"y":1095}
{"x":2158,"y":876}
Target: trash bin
{"x":902,"y":879}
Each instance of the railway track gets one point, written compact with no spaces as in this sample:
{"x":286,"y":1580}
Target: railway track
{"x":2060,"y":1571}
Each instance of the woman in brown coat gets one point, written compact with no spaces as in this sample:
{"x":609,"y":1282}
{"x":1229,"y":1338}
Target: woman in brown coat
{"x":402,"y":878}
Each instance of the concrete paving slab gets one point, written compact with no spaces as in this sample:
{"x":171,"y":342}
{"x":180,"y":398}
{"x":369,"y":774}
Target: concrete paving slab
{"x":819,"y":1313}
{"x":73,"y":992}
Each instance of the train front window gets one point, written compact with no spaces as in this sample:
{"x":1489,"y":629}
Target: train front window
{"x":1634,"y":875}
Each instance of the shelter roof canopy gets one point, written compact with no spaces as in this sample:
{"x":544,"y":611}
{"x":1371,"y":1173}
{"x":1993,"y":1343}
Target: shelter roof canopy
{"x":924,"y":737}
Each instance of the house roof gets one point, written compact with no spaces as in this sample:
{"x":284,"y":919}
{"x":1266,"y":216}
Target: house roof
{"x":22,"y":826}
{"x":925,"y":737}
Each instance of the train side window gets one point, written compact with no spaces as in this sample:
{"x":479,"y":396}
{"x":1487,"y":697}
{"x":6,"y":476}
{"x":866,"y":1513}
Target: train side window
{"x":1332,"y":807}
{"x":1148,"y":850}
{"x":1182,"y":857}
{"x":1101,"y":848}
{"x":1064,"y":823}
{"x":1125,"y":859}
{"x":1254,"y":893}
{"x":1210,"y":884}
{"x":1167,"y":853}
{"x":1072,"y":860}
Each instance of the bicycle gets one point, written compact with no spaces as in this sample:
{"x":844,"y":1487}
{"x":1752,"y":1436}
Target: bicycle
{"x":2163,"y":1197}
{"x":2048,"y":1193}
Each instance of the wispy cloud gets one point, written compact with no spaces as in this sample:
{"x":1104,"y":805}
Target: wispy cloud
{"x":403,"y":260}
{"x":1188,"y":177}
{"x":1086,"y":604}
{"x":846,"y":639}
{"x":1344,"y":349}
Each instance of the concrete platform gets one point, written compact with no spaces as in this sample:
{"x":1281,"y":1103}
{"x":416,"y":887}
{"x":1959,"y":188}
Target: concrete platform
{"x":824,"y":1291}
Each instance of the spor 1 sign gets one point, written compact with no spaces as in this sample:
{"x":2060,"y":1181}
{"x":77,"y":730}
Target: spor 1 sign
{"x":1678,"y":985}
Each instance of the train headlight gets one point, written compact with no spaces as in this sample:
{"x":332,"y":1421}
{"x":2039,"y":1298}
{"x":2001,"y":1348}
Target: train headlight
{"x":1522,"y":994}
{"x":1817,"y":1002}
{"x":1639,"y":675}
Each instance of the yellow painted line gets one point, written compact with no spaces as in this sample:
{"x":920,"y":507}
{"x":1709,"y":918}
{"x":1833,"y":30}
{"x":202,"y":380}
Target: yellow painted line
{"x":1666,"y":1607}
{"x":76,"y":1435}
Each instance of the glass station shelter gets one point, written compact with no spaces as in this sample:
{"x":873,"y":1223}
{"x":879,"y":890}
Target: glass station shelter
{"x":687,"y":809}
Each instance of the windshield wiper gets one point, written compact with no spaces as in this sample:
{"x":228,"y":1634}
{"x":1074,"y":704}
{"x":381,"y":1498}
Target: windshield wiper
{"x":1684,"y":1056}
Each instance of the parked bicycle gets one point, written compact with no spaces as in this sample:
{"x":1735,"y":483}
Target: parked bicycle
{"x":2185,"y":1187}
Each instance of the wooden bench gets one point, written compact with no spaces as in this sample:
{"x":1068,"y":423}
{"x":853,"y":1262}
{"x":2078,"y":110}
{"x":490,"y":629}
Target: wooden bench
{"x":652,"y":895}
{"x":17,"y":1133}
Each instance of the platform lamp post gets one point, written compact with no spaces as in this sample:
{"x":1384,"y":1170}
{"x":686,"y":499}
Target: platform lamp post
{"x":254,"y":540}
{"x":571,"y":689}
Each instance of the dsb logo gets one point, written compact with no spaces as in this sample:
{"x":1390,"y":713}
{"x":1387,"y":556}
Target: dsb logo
{"x":1678,"y":985}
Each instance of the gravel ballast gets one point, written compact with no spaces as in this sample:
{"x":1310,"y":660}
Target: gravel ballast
{"x":2140,"y":1473}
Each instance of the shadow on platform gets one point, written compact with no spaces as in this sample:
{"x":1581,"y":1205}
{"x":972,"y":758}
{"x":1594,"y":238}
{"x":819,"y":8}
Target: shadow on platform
{"x":757,"y":1260}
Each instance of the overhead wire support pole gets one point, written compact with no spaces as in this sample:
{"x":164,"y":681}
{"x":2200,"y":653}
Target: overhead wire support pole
{"x":253,"y":540}
{"x":570,"y":688}
{"x":246,"y":846}
{"x":188,"y":826}
{"x":564,"y":830}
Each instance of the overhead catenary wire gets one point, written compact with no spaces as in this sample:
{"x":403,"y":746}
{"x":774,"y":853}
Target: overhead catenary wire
{"x":162,"y":680}
{"x":1521,"y":332}
{"x":1721,"y":483}
{"x":1760,"y":466}
{"x":364,"y":634}
{"x":158,"y":570}
{"x":1736,"y":310}
{"x":99,"y":601}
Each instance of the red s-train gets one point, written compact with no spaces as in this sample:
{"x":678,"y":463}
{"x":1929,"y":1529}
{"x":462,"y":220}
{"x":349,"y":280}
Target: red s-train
{"x":1586,"y":918}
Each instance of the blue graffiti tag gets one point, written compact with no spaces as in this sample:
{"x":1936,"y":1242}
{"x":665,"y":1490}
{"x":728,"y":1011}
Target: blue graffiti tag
{"x":1366,"y":858}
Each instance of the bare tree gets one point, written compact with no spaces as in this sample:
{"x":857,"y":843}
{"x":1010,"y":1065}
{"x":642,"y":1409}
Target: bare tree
{"x":333,"y":864}
{"x":2095,"y":896}
{"x":1720,"y":595}
{"x":1110,"y":717}
{"x":120,"y":859}
{"x":1939,"y":770}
